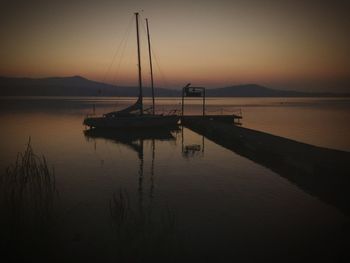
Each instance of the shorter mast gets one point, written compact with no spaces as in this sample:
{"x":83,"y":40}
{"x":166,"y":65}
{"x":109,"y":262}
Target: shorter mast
{"x":139,"y":63}
{"x":151,"y":68}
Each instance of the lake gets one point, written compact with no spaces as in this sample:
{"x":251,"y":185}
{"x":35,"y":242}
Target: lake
{"x":175,"y":195}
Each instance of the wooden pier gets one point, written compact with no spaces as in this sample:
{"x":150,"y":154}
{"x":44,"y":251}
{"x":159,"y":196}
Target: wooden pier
{"x":322,"y":172}
{"x":230,"y":119}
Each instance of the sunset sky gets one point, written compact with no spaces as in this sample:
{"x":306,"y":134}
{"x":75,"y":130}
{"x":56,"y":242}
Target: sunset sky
{"x":280,"y":44}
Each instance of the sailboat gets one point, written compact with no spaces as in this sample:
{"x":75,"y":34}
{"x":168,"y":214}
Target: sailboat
{"x":134,"y":116}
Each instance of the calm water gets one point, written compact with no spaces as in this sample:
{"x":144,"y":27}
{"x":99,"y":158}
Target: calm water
{"x":226,"y":207}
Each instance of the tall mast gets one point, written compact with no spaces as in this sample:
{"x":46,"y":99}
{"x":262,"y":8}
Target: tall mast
{"x":150,"y":65}
{"x":139,"y":61}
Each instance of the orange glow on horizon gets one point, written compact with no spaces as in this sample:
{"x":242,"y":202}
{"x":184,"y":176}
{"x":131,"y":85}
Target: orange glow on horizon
{"x":236,"y":43}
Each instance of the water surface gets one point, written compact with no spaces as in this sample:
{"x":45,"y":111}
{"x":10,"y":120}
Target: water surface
{"x":226,"y":207}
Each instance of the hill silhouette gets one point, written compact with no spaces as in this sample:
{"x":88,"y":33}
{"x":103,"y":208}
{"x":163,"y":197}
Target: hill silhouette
{"x":79,"y":86}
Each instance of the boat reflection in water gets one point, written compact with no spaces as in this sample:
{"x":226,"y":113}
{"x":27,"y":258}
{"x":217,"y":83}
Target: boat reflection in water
{"x":142,"y":231}
{"x":135,"y":139}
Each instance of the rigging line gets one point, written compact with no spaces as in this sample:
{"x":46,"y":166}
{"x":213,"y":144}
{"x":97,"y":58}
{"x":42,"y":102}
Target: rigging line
{"x":125,"y":41}
{"x":159,"y":68}
{"x":118,"y":49}
{"x":123,"y":45}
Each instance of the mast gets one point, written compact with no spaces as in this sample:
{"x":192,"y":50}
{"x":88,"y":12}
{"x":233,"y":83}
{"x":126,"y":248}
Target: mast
{"x":139,"y":62}
{"x":150,"y":65}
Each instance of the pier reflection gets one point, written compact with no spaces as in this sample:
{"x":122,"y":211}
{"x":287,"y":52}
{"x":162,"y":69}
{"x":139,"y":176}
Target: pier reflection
{"x":319,"y":171}
{"x":191,"y":150}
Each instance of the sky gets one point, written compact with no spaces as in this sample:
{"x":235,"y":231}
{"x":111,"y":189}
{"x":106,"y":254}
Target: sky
{"x":301,"y":45}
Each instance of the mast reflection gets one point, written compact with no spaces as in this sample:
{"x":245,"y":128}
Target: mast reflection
{"x":135,"y":140}
{"x":143,"y":224}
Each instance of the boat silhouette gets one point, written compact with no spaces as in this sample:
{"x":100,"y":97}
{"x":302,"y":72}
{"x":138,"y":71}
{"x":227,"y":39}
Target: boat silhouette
{"x":134,"y":116}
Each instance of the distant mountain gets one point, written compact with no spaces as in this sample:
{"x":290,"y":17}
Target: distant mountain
{"x":79,"y":86}
{"x":253,"y":90}
{"x":69,"y":86}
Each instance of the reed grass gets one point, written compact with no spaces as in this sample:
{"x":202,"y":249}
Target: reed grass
{"x":27,"y":194}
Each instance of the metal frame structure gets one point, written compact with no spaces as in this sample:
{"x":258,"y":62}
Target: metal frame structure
{"x":188,"y":91}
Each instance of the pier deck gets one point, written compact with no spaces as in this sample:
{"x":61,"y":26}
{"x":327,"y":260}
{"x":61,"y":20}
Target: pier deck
{"x":230,"y":119}
{"x":322,"y":172}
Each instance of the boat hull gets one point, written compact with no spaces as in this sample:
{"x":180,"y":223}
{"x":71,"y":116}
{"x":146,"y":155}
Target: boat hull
{"x":134,"y":122}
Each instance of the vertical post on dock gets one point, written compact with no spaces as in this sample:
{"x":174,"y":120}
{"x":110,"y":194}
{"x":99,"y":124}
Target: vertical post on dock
{"x":182,"y":139}
{"x":183,"y":101}
{"x":203,"y":144}
{"x":183,"y":97}
{"x":203,"y":102}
